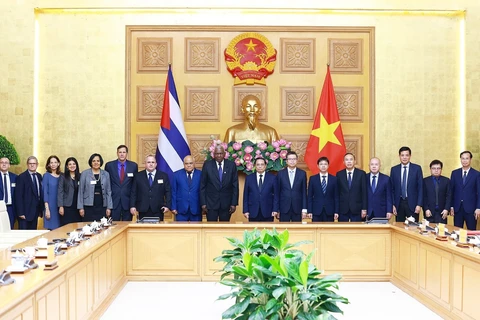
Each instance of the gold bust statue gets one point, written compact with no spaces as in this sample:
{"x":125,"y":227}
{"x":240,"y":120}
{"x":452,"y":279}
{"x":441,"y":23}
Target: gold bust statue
{"x":251,"y":129}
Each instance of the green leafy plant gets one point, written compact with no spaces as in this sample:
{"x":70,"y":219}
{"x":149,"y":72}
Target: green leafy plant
{"x":7,"y":150}
{"x":271,"y":279}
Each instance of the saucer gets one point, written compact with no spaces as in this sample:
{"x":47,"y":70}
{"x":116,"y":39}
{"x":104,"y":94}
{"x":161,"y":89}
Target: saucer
{"x":13,"y":269}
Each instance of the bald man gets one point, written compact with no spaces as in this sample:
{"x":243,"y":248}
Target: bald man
{"x":186,"y":192}
{"x":379,"y":192}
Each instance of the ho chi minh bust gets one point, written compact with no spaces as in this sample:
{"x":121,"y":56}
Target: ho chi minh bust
{"x":251,"y":129}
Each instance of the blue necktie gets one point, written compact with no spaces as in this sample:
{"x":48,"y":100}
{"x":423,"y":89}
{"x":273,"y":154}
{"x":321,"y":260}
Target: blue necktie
{"x":189,"y":178}
{"x":437,"y":186}
{"x":464,"y":177}
{"x":374,"y":183}
{"x":349,"y":180}
{"x":404,"y":183}
{"x":35,"y":184}
{"x":260,"y":182}
{"x":220,"y":171}
{"x":5,"y":188}
{"x":150,"y":179}
{"x":324,"y":185}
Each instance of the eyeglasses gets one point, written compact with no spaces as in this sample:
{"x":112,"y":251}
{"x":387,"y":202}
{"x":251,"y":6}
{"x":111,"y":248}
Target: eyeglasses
{"x":32,"y":163}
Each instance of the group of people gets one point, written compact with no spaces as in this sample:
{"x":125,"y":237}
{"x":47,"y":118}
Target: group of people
{"x":350,"y":195}
{"x":121,"y":191}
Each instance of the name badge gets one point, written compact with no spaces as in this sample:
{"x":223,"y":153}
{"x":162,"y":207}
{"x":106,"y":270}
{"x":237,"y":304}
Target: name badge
{"x":160,"y":181}
{"x":93,"y":182}
{"x":130,"y":174}
{"x":13,"y":185}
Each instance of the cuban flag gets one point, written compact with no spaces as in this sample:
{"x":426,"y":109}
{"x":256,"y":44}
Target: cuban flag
{"x":172,"y":144}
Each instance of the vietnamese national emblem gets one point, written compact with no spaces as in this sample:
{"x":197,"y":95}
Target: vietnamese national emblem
{"x":250,"y":58}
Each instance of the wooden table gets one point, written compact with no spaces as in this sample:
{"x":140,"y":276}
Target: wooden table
{"x":439,"y":274}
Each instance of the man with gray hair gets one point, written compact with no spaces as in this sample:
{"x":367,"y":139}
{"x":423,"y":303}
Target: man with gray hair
{"x":29,"y":203}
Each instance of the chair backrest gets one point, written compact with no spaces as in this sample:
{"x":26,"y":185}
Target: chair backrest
{"x":4,"y":218}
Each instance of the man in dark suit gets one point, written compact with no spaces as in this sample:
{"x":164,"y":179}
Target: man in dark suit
{"x":436,"y":194}
{"x":7,"y":188}
{"x":379,"y":192}
{"x":465,"y":186}
{"x":219,"y":187}
{"x":352,"y":191}
{"x":186,"y":192}
{"x":29,"y":203}
{"x":292,"y":190}
{"x":407,"y":187}
{"x":260,"y":194}
{"x":322,"y":194}
{"x":121,"y":177}
{"x":151,"y":195}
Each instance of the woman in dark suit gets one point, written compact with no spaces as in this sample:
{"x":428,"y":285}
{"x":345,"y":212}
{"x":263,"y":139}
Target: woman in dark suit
{"x":95,"y":191}
{"x":68,"y":193}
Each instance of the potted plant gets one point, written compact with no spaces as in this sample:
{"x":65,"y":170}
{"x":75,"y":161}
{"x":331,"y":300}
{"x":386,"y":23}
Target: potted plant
{"x":270,"y":279}
{"x":7,"y":150}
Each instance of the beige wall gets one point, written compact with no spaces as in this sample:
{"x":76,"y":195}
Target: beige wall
{"x":81,"y":96}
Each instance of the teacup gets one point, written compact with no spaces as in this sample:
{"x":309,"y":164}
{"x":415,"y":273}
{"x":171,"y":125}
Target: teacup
{"x":18,"y":259}
{"x":29,"y":251}
{"x":86,"y":229}
{"x":103,"y":221}
{"x":42,"y":242}
{"x":74,"y":235}
{"x":94,"y":225}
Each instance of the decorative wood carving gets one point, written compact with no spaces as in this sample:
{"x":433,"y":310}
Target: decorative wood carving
{"x":149,"y":103}
{"x":202,"y":55}
{"x":154,"y":54}
{"x":350,"y":103}
{"x":240,"y":92}
{"x":146,"y":144}
{"x":345,"y":55}
{"x":298,"y":55}
{"x":297,"y":103}
{"x":202,"y":103}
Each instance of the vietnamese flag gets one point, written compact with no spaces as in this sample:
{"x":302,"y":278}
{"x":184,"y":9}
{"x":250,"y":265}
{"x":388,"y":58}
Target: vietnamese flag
{"x":326,"y":138}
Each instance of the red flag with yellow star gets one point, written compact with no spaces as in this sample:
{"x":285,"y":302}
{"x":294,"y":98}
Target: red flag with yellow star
{"x":326,"y":138}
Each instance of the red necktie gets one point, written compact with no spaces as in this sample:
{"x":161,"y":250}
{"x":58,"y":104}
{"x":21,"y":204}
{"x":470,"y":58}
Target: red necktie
{"x":122,"y":173}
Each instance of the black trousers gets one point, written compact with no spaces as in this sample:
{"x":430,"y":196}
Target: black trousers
{"x":403,"y":211}
{"x":218,"y":215}
{"x":290,"y":216}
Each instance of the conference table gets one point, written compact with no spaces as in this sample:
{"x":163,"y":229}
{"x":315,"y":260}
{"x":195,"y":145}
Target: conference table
{"x":439,"y":274}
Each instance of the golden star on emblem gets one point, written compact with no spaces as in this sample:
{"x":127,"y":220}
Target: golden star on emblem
{"x":326,"y":133}
{"x":251,"y":46}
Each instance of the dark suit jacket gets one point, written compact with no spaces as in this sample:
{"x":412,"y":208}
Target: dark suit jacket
{"x":265,"y":199}
{"x":121,"y":191}
{"x":155,"y":197}
{"x":186,"y":196}
{"x":380,"y":201}
{"x":295,"y":197}
{"x":13,"y":179}
{"x":26,"y":202}
{"x":444,"y":194}
{"x":216,"y":195}
{"x":317,"y":200}
{"x":468,"y":192}
{"x":414,"y":185}
{"x":355,"y":198}
{"x":66,"y":190}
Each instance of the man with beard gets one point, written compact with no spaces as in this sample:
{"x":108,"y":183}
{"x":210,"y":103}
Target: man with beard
{"x":251,"y":129}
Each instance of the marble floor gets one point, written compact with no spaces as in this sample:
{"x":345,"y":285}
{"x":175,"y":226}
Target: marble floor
{"x":197,"y":300}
